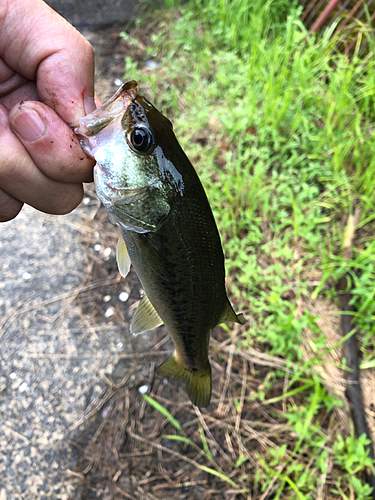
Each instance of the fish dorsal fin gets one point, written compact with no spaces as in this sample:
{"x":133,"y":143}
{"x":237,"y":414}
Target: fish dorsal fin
{"x":145,"y":317}
{"x":230,"y":315}
{"x":122,"y":257}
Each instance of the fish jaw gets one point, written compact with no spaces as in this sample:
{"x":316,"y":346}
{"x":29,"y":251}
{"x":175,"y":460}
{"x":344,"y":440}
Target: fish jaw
{"x":98,"y":127}
{"x":101,"y":137}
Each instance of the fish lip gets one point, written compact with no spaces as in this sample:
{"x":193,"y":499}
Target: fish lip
{"x":92,"y":123}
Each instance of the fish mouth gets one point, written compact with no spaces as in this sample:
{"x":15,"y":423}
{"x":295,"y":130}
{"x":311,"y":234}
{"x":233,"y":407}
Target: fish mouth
{"x":93,"y":123}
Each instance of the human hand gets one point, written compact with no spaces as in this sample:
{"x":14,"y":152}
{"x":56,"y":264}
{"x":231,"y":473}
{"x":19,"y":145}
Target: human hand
{"x":46,"y":83}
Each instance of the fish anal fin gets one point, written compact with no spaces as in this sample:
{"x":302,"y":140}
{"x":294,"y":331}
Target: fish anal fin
{"x":145,"y":317}
{"x":122,"y":257}
{"x":198,"y":383}
{"x":230,"y":315}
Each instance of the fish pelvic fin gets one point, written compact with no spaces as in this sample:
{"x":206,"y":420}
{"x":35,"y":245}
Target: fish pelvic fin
{"x":122,"y":257}
{"x":198,"y":383}
{"x":230,"y":315}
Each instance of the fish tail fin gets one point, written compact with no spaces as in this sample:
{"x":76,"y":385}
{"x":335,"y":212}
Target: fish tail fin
{"x":198,"y":384}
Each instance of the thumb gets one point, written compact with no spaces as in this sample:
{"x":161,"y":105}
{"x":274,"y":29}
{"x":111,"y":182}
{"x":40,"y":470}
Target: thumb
{"x":50,"y":142}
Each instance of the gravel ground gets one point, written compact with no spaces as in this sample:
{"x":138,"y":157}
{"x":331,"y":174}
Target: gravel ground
{"x":52,"y":358}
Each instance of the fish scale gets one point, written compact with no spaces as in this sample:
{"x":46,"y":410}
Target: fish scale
{"x":169,"y":234}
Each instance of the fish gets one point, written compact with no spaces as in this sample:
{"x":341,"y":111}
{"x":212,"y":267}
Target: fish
{"x":168,"y":232}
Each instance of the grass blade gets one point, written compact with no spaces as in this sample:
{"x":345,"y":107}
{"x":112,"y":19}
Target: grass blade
{"x":205,"y":444}
{"x":163,"y":411}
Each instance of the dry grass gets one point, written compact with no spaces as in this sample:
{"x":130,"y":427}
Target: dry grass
{"x":120,"y":438}
{"x":128,"y":455}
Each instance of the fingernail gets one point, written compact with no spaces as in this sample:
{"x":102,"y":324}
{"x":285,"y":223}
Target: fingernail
{"x":28,"y":124}
{"x":89,"y":103}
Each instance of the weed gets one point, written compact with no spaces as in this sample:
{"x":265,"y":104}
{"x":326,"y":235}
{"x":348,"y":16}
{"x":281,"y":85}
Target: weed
{"x":280,"y":128}
{"x":182,"y":438}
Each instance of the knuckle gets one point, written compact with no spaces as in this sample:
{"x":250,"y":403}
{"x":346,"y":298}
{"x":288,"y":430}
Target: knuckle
{"x":10,"y":166}
{"x":9,"y":207}
{"x":68,"y":199}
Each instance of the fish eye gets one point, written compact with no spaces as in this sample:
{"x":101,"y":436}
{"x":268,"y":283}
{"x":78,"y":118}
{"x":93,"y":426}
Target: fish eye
{"x":141,"y":139}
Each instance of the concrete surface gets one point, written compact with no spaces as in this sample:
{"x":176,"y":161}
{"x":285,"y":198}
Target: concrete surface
{"x":51,"y":357}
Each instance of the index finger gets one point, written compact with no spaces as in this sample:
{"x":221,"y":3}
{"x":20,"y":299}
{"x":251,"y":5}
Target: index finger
{"x":39,"y":44}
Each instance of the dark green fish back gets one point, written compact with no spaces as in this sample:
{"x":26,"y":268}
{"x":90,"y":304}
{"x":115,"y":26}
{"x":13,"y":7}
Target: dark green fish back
{"x":181,"y":268}
{"x":181,"y":265}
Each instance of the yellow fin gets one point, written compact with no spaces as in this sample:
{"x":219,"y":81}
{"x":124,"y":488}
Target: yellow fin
{"x":145,"y":317}
{"x":122,"y":257}
{"x":198,"y":384}
{"x":230,"y":315}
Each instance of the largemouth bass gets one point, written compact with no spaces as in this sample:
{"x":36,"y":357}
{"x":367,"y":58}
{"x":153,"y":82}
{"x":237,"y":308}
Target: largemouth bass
{"x":154,"y":195}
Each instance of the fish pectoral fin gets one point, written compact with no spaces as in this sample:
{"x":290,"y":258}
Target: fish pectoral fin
{"x":122,"y":257}
{"x":230,"y":315}
{"x":154,"y":257}
{"x":125,"y":196}
{"x":145,"y":317}
{"x":141,"y":209}
{"x":198,"y":383}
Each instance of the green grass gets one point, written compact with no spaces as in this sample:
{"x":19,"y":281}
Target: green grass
{"x":280,"y":128}
{"x":205,"y":451}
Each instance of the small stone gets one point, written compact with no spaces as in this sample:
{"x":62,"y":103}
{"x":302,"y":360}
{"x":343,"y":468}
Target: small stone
{"x":120,"y":345}
{"x":143,"y":389}
{"x":86,"y":200}
{"x":150,"y":65}
{"x":123,"y":296}
{"x":107,"y":298}
{"x":26,"y":276}
{"x":97,"y":247}
{"x":118,"y":82}
{"x":23,"y":387}
{"x":106,"y":412}
{"x":13,"y":376}
{"x":3,"y":384}
{"x":109,"y":312}
{"x":107,"y":252}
